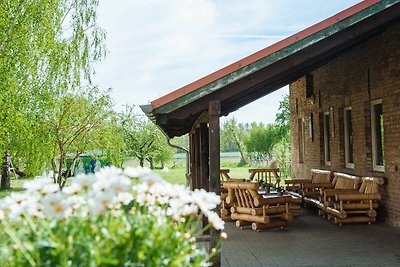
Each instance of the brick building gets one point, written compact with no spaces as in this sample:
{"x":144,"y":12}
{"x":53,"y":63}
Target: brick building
{"x":345,"y":116}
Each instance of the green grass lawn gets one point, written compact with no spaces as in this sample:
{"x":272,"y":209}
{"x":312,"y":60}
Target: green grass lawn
{"x":16,"y":186}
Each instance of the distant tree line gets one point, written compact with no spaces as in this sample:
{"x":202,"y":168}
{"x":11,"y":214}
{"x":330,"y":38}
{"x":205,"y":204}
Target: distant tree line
{"x":258,"y":143}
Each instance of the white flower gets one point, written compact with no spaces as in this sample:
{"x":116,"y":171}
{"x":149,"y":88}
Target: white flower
{"x":101,"y":201}
{"x":56,"y":206}
{"x":1,"y":215}
{"x":136,"y":172}
{"x":84,"y":180}
{"x":224,"y":235}
{"x":72,"y":189}
{"x":190,"y":210}
{"x":119,"y":184}
{"x":107,"y":172}
{"x":124,"y":198}
{"x":50,"y":188}
{"x":215,"y":220}
{"x":206,"y":200}
{"x":151,"y":179}
{"x":96,"y":208}
{"x":38,"y":184}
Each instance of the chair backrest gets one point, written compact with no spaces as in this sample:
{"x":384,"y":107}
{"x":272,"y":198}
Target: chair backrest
{"x":346,"y":181}
{"x":242,"y":193}
{"x":370,"y":185}
{"x":321,"y":176}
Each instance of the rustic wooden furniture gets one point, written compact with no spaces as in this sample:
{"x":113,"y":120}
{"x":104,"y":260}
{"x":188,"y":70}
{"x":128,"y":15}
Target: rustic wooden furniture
{"x":357,"y":206}
{"x":224,"y":174}
{"x":266,"y":175}
{"x":310,"y":190}
{"x":342,"y":183}
{"x":225,"y":207}
{"x":251,"y":208}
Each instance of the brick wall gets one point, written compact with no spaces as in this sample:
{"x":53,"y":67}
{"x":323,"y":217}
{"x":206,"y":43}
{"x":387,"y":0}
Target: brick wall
{"x":364,"y":73}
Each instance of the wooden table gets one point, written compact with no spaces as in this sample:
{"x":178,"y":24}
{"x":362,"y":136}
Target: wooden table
{"x":293,"y":201}
{"x":266,"y":175}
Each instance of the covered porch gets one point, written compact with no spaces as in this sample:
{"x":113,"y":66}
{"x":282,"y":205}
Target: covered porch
{"x":195,"y":109}
{"x":311,"y":240}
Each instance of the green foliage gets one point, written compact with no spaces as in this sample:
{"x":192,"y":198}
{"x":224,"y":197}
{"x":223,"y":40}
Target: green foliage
{"x":47,"y":48}
{"x":232,"y":136}
{"x":82,"y":121}
{"x":282,"y":119}
{"x":261,"y":142}
{"x":282,"y":151}
{"x":106,"y":220}
{"x":143,"y":140}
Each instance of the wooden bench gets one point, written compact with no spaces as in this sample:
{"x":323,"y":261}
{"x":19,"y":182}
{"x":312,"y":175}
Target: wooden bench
{"x":342,"y":183}
{"x":310,"y":189}
{"x":251,"y":208}
{"x":266,"y":175}
{"x":357,"y":206}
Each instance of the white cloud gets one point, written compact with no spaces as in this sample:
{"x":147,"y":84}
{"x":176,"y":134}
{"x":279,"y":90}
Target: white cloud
{"x":157,"y":46}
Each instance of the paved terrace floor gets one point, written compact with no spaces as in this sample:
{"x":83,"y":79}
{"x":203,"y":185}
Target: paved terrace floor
{"x":311,"y":240}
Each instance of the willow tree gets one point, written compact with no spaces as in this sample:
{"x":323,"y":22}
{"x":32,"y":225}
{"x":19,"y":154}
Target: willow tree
{"x":47,"y":48}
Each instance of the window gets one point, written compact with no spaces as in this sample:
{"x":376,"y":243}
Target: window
{"x":378,"y":163}
{"x":327,"y":147}
{"x":301,"y":140}
{"x":348,"y":138}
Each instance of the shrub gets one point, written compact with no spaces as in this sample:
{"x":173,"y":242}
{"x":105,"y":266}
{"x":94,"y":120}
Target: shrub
{"x":110,"y":218}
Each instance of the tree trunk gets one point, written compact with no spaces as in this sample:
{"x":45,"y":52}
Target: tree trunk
{"x":18,"y":172}
{"x":151,"y":163}
{"x":141,"y":162}
{"x":5,"y":176}
{"x":60,"y":168}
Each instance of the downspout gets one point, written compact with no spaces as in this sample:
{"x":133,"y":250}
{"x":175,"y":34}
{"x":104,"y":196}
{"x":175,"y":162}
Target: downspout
{"x":187,"y":155}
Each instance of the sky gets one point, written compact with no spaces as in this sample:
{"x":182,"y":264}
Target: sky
{"x":157,"y":46}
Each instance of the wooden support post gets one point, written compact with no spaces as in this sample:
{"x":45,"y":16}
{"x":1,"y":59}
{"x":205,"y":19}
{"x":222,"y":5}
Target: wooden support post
{"x":197,"y":158}
{"x":203,"y":167}
{"x":191,"y":159}
{"x":204,"y":155}
{"x":214,"y":112}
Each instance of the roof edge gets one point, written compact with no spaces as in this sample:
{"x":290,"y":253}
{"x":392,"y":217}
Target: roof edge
{"x":263,"y":53}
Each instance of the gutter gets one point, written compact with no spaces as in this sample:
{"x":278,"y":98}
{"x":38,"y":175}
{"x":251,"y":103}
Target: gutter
{"x":148,"y":110}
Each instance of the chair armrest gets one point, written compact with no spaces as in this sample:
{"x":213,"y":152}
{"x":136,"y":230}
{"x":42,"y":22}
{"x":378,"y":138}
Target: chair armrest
{"x":357,"y":196}
{"x":333,"y":192}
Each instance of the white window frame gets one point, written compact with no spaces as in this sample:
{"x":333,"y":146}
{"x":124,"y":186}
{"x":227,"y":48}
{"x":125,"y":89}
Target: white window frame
{"x":326,"y":122}
{"x":349,"y":165}
{"x":375,"y":166}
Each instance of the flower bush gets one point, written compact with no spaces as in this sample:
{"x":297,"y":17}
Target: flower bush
{"x":114,"y":217}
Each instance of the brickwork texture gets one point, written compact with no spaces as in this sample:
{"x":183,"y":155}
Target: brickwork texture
{"x":364,"y":73}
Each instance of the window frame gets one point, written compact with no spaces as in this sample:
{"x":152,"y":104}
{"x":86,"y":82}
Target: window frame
{"x":326,"y":118}
{"x":375,"y":166}
{"x":348,"y":164}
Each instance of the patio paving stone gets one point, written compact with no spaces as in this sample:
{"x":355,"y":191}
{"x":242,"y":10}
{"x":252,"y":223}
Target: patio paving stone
{"x":311,"y":240}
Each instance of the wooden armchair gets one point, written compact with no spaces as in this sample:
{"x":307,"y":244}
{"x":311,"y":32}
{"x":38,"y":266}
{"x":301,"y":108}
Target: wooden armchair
{"x":310,"y":190}
{"x":342,"y":183}
{"x":225,"y":207}
{"x":251,"y":208}
{"x":357,"y":206}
